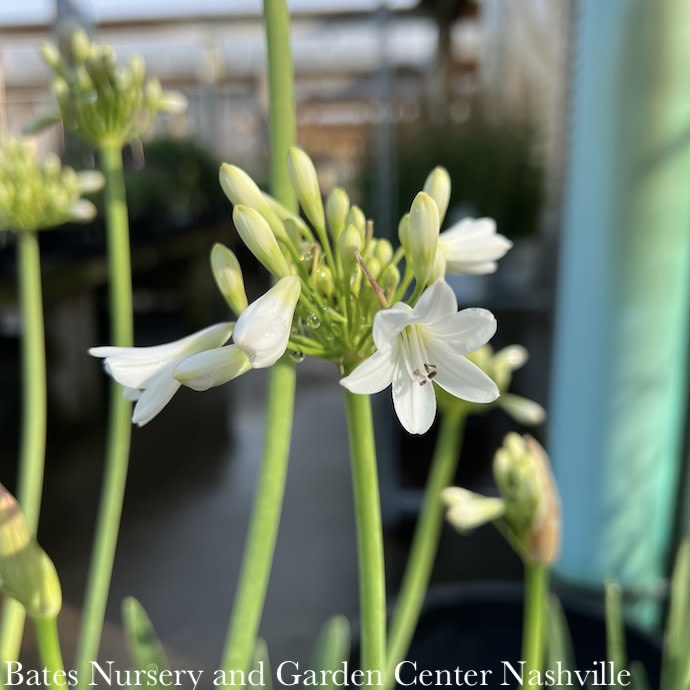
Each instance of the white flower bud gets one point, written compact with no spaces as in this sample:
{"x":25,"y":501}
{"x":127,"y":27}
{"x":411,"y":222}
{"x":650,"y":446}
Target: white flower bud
{"x":260,"y":240}
{"x":306,"y":185}
{"x":437,"y":186}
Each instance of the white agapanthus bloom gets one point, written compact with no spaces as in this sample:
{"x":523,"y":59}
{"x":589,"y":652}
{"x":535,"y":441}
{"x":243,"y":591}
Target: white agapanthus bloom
{"x":152,"y":375}
{"x":147,"y":372}
{"x":472,"y":246}
{"x":425,"y":344}
{"x":260,"y":339}
{"x":468,"y":510}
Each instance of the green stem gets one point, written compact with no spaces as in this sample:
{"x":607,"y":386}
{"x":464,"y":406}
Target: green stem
{"x":34,"y":414}
{"x":425,"y":541}
{"x":267,"y":508}
{"x":265,"y":518}
{"x":119,"y":424}
{"x":534,"y":622}
{"x":49,"y":650}
{"x":372,"y":583}
{"x":281,"y":80}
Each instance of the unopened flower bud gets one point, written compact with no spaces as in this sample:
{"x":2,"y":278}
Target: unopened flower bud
{"x":384,"y":252}
{"x":521,"y":469}
{"x":423,"y":236}
{"x":306,"y":185}
{"x":337,"y":206}
{"x":389,"y":280}
{"x":260,"y":240}
{"x":437,"y":186}
{"x":172,"y":102}
{"x":439,"y":268}
{"x":323,"y":280}
{"x":50,"y":54}
{"x":350,"y":242}
{"x":355,"y":216}
{"x":404,"y":232}
{"x":80,"y":45}
{"x":468,"y":510}
{"x":26,"y":572}
{"x":241,"y":189}
{"x":228,"y":276}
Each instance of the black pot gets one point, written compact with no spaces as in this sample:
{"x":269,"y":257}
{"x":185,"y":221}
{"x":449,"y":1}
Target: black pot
{"x":478,"y":627}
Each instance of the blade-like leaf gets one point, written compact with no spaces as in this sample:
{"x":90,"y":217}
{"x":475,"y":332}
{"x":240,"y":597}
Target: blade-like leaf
{"x":332,"y":647}
{"x":615,"y":632}
{"x":261,"y":665}
{"x":675,"y":672}
{"x":145,"y":648}
{"x":559,"y":646}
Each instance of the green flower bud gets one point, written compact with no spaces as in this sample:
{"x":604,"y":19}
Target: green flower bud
{"x":384,"y":252}
{"x":50,"y":54}
{"x":532,"y":517}
{"x":350,"y":242}
{"x":423,"y":236}
{"x":439,"y":268}
{"x":228,"y":276}
{"x":355,"y":216}
{"x":404,"y":233}
{"x":241,"y":189}
{"x":306,"y":185}
{"x":80,"y":45}
{"x":337,"y":206}
{"x":260,"y":240}
{"x":389,"y":280}
{"x":323,"y":280}
{"x":468,"y":510}
{"x":26,"y":572}
{"x":437,"y":186}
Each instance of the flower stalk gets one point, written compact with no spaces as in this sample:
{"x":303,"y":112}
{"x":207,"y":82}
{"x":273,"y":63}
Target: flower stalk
{"x":424,"y":546}
{"x":119,"y":426}
{"x":268,"y":501}
{"x":372,"y":582}
{"x":534,"y":620}
{"x":34,"y":413}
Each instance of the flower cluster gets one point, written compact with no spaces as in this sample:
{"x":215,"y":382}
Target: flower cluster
{"x":101,"y":102}
{"x":343,"y":297}
{"x":528,"y":509}
{"x":35,"y":195}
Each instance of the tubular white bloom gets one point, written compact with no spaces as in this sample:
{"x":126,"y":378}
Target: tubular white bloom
{"x":473,"y":246}
{"x":260,"y":337}
{"x":147,"y":372}
{"x":416,"y":346}
{"x":467,"y":509}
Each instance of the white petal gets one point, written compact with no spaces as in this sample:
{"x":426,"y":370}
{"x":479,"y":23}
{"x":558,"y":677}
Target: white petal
{"x":388,"y":324}
{"x":437,"y":302}
{"x":154,"y":399}
{"x":464,"y":331}
{"x":212,"y":367}
{"x":415,"y":405}
{"x":263,"y":329}
{"x":472,"y":246}
{"x":372,"y":375}
{"x":458,"y":376}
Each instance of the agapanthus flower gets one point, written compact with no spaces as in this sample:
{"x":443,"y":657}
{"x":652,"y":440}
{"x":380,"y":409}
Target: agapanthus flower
{"x":472,"y":246}
{"x":425,"y":344}
{"x":152,"y":375}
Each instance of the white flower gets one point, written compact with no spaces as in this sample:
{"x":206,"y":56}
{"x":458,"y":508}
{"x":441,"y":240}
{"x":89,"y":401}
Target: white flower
{"x":147,"y":372}
{"x":416,"y":346}
{"x":260,"y":337}
{"x":152,"y":375}
{"x":467,"y":509}
{"x":472,"y":246}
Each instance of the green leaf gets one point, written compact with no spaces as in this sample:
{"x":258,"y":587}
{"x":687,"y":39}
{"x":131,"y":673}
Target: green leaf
{"x":332,"y":647}
{"x":559,"y":646}
{"x":261,"y":663}
{"x":638,"y":677}
{"x":615,"y":632}
{"x":144,"y":646}
{"x":675,"y":671}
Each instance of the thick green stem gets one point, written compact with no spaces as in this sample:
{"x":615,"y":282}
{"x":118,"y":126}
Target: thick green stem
{"x":425,"y":542}
{"x":268,"y":502}
{"x":119,"y":424}
{"x":534,"y":622}
{"x":49,"y":650}
{"x":34,"y":413}
{"x":281,"y":86}
{"x":372,"y":581}
{"x":265,"y":518}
